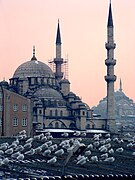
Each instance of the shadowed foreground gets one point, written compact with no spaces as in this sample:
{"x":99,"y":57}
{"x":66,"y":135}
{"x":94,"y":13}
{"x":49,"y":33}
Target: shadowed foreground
{"x":44,"y":156}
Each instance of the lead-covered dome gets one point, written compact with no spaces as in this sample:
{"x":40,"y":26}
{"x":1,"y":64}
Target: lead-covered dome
{"x":33,"y":68}
{"x":47,"y":92}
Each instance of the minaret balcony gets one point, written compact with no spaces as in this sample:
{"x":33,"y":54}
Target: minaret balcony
{"x":109,"y":62}
{"x":58,"y":60}
{"x":110,"y":45}
{"x":110,"y":78}
{"x":59,"y":74}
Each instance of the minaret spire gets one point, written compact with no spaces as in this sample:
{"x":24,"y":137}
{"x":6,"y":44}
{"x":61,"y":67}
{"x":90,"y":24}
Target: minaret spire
{"x":110,"y":78}
{"x":58,"y":60}
{"x":58,"y":36}
{"x":110,"y":18}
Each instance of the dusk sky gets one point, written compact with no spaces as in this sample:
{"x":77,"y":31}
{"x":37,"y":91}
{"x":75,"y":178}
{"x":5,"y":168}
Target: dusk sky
{"x":83,"y":25}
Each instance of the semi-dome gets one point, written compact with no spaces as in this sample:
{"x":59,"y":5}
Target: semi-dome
{"x":33,"y":68}
{"x":47,"y":92}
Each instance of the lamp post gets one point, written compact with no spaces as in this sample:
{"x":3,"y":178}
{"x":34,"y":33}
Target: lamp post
{"x":76,"y":150}
{"x":2,"y":112}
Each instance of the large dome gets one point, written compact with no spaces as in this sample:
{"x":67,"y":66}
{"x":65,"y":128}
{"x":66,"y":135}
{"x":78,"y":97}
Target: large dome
{"x":33,"y":68}
{"x":47,"y":92}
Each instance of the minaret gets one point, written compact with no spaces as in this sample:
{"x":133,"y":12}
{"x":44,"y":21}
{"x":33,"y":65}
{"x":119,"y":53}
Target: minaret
{"x":110,"y":78}
{"x":58,"y":60}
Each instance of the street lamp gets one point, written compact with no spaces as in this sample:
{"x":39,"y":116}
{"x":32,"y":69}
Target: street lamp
{"x":76,"y":150}
{"x":2,"y":112}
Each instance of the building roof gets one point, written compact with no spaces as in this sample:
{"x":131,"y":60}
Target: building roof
{"x":58,"y":36}
{"x":110,"y":19}
{"x":47,"y":92}
{"x":33,"y":68}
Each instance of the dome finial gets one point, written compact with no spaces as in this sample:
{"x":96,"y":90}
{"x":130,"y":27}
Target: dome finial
{"x":120,"y":85}
{"x":34,"y":57}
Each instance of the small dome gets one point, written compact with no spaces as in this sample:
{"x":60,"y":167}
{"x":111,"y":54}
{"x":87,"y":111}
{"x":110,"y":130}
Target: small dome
{"x":47,"y":92}
{"x":4,"y":83}
{"x":119,"y":93}
{"x":71,"y":94}
{"x":33,"y":68}
{"x":65,"y":81}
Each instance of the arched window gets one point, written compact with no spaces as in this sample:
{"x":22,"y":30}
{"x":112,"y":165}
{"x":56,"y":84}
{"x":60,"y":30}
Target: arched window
{"x":62,"y":125}
{"x":72,"y":125}
{"x":88,"y":126}
{"x":61,"y":113}
{"x":56,"y":112}
{"x":103,"y":126}
{"x":56,"y":125}
{"x":83,"y":113}
{"x":50,"y":112}
{"x":50,"y":125}
{"x":93,"y":126}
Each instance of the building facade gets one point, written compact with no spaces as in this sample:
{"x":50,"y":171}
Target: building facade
{"x":15,"y":112}
{"x":38,"y":98}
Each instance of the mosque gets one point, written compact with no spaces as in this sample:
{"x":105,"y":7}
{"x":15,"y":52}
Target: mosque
{"x":38,"y":98}
{"x":124,"y":109}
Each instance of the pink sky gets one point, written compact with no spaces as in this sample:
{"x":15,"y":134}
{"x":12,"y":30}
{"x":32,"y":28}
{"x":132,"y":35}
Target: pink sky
{"x":24,"y":23}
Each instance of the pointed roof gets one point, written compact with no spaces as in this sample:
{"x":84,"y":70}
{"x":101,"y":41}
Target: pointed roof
{"x":110,"y":19}
{"x":58,"y":36}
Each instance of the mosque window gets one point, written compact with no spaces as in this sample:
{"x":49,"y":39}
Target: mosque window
{"x":34,"y":110}
{"x":62,"y":125}
{"x":40,"y":111}
{"x":24,"y":107}
{"x":15,"y":122}
{"x":24,"y":122}
{"x":55,"y":103}
{"x":50,"y":125}
{"x":56,"y":112}
{"x":35,"y":80}
{"x":15,"y":107}
{"x":52,"y":102}
{"x":72,"y":125}
{"x":103,"y":126}
{"x":53,"y":81}
{"x":50,"y":112}
{"x":45,"y":81}
{"x":88,"y":126}
{"x":83,"y":113}
{"x":0,"y":122}
{"x":32,"y":80}
{"x":39,"y":80}
{"x":69,"y":113}
{"x":1,"y":107}
{"x":56,"y":125}
{"x":61,"y":113}
{"x":42,"y":81}
{"x":93,"y":126}
{"x":21,"y":88}
{"x":49,"y":102}
{"x":48,"y":81}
